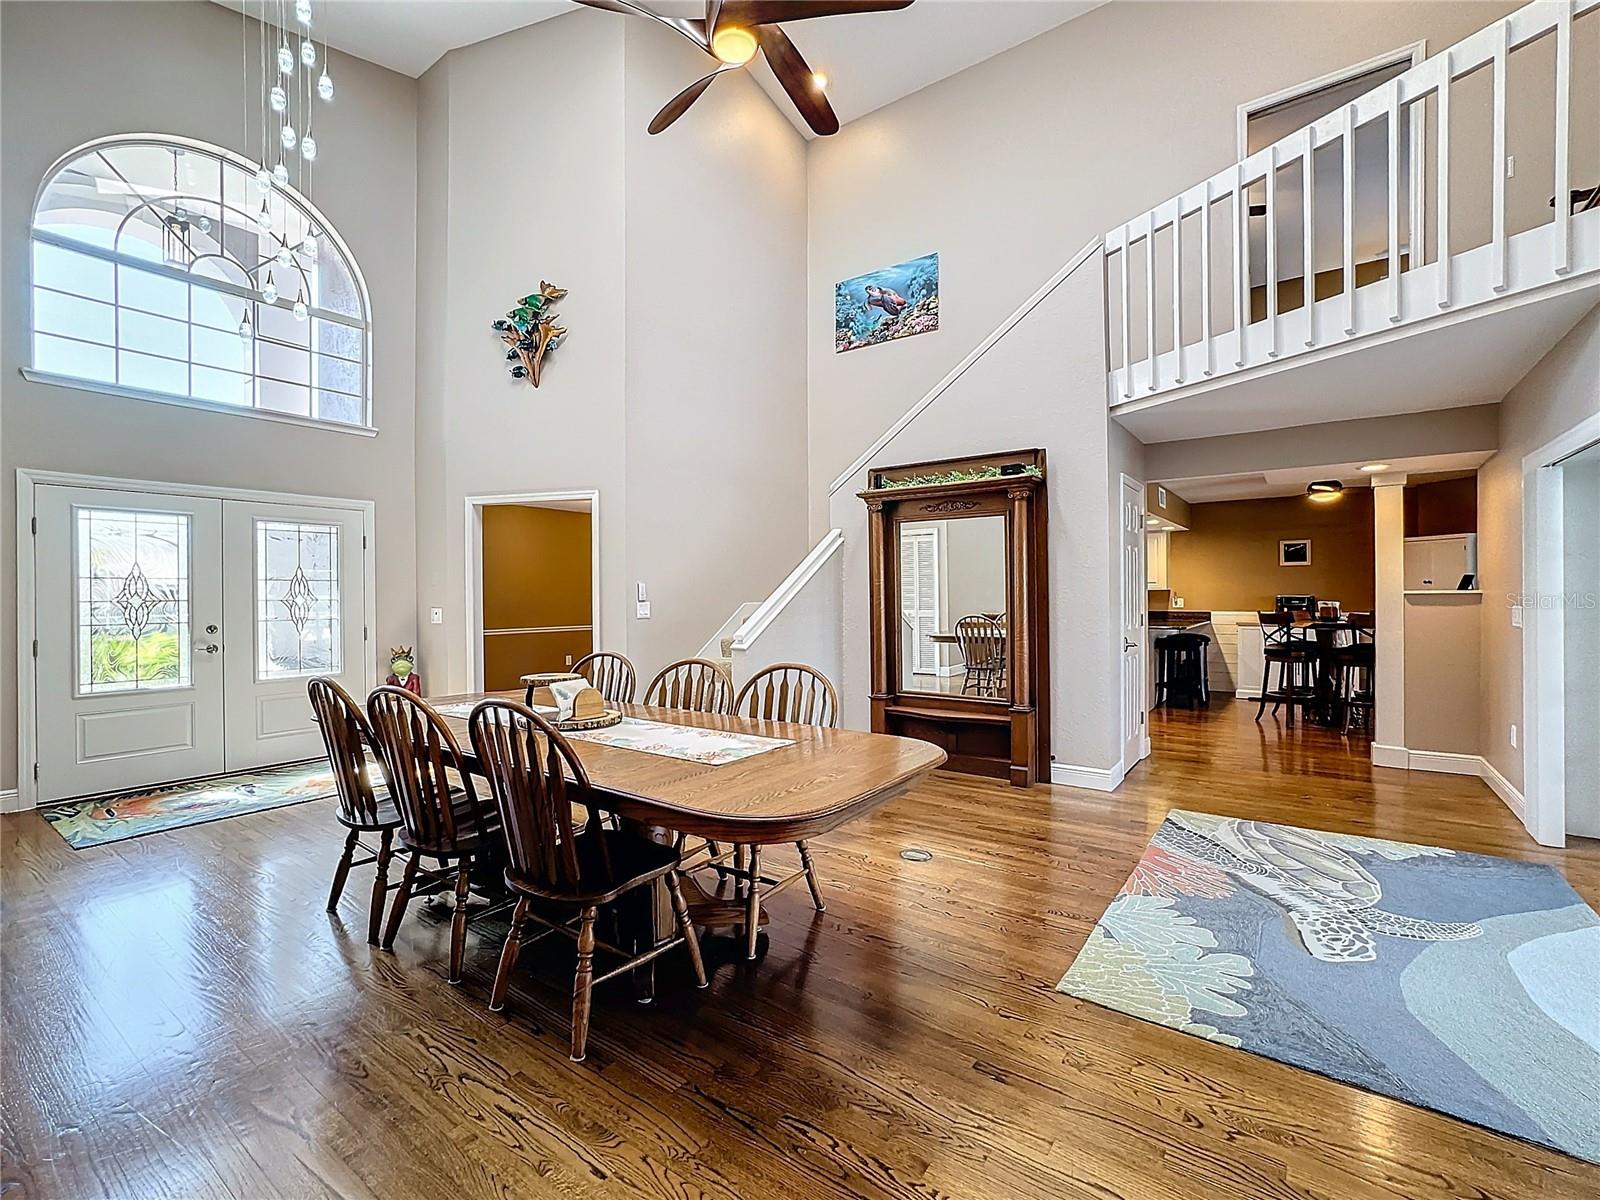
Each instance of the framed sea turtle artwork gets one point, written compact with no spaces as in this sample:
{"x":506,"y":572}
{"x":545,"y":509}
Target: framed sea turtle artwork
{"x":886,"y":304}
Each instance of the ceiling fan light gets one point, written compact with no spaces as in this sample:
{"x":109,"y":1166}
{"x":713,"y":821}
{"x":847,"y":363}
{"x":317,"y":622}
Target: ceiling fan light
{"x":734,"y":45}
{"x":819,"y":80}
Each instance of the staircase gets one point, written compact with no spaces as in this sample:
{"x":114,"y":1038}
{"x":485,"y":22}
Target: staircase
{"x":1207,"y":290}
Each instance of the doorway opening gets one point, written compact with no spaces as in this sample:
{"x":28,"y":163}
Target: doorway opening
{"x":533,"y":584}
{"x":1561,"y":643}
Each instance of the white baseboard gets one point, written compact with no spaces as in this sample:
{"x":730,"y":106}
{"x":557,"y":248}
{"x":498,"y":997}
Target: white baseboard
{"x":1391,"y":756}
{"x":1501,"y":786}
{"x":10,"y":801}
{"x":1443,"y":763}
{"x":1248,"y":694}
{"x":1099,"y":779}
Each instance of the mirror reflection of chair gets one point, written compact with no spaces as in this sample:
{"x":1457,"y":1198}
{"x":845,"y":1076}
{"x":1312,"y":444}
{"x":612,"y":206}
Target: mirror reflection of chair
{"x":982,"y":641}
{"x":693,"y":684}
{"x":611,"y":675}
{"x":363,"y":807}
{"x":555,"y":868}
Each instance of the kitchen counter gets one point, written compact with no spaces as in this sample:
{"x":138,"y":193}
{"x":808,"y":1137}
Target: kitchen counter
{"x":1178,"y":620}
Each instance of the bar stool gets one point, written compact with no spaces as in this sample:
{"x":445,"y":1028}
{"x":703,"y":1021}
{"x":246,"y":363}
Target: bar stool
{"x":1296,"y":660}
{"x":1181,"y":670}
{"x":1355,"y":672}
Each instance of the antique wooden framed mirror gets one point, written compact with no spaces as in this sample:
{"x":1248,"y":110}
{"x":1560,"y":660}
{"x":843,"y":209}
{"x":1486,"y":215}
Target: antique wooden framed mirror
{"x":960,"y":610}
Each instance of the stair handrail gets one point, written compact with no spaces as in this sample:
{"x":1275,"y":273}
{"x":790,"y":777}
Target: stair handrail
{"x":961,"y":368}
{"x":767,"y":611}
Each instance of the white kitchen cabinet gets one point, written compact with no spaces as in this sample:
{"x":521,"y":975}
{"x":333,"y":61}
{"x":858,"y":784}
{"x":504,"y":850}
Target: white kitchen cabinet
{"x":1438,"y":563}
{"x":1155,"y":559}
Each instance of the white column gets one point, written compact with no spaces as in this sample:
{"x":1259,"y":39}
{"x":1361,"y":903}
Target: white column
{"x":1389,"y":612}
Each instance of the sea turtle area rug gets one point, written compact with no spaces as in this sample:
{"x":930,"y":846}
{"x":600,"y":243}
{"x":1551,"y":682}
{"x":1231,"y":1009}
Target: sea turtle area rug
{"x":85,"y":823}
{"x":1458,"y":982}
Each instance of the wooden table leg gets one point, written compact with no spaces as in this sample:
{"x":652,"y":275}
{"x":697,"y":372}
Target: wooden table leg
{"x":752,"y":921}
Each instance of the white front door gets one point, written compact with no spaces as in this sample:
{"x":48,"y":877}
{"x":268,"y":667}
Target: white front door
{"x":1135,"y":602}
{"x":175,"y":634}
{"x":127,"y":616}
{"x":293,"y":601}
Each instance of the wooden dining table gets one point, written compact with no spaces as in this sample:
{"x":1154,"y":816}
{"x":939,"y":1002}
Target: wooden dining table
{"x":823,"y":779}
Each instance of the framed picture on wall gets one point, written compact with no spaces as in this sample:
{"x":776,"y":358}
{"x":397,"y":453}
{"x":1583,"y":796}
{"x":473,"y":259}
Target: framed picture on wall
{"x":1294,"y":552}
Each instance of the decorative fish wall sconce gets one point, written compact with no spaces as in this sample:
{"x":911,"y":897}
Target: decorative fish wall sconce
{"x":530,"y":331}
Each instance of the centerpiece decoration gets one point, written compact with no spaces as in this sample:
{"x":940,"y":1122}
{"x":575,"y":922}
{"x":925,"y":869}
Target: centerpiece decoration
{"x":530,"y":331}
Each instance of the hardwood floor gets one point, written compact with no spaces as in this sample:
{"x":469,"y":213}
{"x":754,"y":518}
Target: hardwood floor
{"x":182,"y":1019}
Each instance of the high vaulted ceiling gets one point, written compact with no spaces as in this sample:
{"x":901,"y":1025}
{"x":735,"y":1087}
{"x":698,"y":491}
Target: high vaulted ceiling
{"x":870,"y":59}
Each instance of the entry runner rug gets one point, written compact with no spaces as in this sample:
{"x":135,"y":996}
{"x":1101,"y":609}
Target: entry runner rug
{"x":1458,"y":982}
{"x":85,"y":823}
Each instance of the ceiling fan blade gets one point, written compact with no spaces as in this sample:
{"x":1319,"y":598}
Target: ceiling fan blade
{"x":768,"y":12}
{"x":690,"y":27}
{"x":797,"y":80}
{"x":679,"y":104}
{"x":713,"y":12}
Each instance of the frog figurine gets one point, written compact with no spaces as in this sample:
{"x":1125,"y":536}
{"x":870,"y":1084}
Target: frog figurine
{"x":403,"y":671}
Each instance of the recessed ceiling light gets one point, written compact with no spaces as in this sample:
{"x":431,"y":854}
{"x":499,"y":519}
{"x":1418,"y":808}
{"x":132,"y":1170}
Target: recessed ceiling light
{"x":1374,"y":468}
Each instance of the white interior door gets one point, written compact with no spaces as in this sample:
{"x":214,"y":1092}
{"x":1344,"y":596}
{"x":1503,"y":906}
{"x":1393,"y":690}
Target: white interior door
{"x":128,"y":605}
{"x":1134,"y":606}
{"x":293,"y":602}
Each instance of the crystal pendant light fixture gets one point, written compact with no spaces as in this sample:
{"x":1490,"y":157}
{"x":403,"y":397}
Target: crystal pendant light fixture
{"x":308,"y":52}
{"x":280,"y":174}
{"x":325,"y":85}
{"x":302,"y":11}
{"x":269,"y":290}
{"x":308,"y":148}
{"x":264,"y":219}
{"x":300,"y":309}
{"x":288,"y":137}
{"x":284,"y":258}
{"x":263,"y":180}
{"x":309,"y":246}
{"x":246,"y":330}
{"x":278,"y":98}
{"x":285,"y":59}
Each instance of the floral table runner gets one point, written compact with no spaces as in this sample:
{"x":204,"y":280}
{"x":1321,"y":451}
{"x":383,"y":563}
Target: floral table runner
{"x":713,"y":747}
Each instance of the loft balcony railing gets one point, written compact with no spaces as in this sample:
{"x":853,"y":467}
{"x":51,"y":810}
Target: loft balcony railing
{"x":1225,"y":277}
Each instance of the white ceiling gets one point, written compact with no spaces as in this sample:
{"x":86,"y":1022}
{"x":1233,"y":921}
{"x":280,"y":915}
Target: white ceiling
{"x":871,"y":59}
{"x":1260,"y":485}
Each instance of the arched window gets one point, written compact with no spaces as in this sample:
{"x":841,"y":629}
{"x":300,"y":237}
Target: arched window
{"x":162,"y":270}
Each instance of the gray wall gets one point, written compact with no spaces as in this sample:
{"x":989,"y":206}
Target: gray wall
{"x":73,"y":72}
{"x":679,"y":391}
{"x":1552,"y":398}
{"x":1011,"y":166}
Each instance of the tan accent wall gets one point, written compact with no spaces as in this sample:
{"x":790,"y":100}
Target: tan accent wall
{"x":1446,"y":506}
{"x":1176,"y":509}
{"x":537,"y":574}
{"x":1228,"y":560}
{"x":1442,"y":673}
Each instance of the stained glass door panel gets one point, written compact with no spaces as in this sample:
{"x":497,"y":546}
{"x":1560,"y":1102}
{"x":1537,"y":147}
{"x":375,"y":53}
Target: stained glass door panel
{"x":127,"y":613}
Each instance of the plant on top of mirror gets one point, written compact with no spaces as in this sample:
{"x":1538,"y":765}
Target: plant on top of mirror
{"x":530,"y":331}
{"x":966,"y":475}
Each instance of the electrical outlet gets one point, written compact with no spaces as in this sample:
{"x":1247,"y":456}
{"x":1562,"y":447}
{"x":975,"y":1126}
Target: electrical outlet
{"x":569,"y":660}
{"x":1513,"y":736}
{"x":641,"y":609}
{"x":1516,"y":616}
{"x":1177,"y":602}
{"x":436,"y":616}
{"x":1511,"y":166}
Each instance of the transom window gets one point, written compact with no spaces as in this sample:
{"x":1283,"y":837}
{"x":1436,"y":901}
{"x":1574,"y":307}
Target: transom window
{"x":162,"y":267}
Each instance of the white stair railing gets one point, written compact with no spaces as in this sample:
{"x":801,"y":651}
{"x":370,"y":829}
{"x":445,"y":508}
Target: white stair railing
{"x":800,"y":621}
{"x":1410,"y":289}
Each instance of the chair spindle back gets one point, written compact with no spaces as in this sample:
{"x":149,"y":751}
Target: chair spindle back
{"x":413,"y":740}
{"x":695,"y":684}
{"x":346,"y":735}
{"x":791,"y":692}
{"x":611,"y":675}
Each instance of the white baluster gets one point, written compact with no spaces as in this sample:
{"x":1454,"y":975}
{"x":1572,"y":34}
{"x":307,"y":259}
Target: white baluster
{"x":1445,"y":261}
{"x":1349,"y":150}
{"x":1205,"y":279}
{"x":1150,"y":298}
{"x":1308,"y":273}
{"x":1394,"y":200}
{"x":1241,"y":263}
{"x":1497,"y":227}
{"x":1271,"y":237}
{"x":1561,"y":245}
{"x":1127,"y":335}
{"x":1177,"y":292}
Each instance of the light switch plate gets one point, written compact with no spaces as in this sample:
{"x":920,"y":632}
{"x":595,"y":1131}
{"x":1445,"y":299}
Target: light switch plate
{"x":1177,"y":602}
{"x":642,"y":610}
{"x":1516,"y":616}
{"x":436,"y":616}
{"x":1513,"y":737}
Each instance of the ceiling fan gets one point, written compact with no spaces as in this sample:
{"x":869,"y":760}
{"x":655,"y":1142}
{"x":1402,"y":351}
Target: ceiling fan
{"x":731,"y":33}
